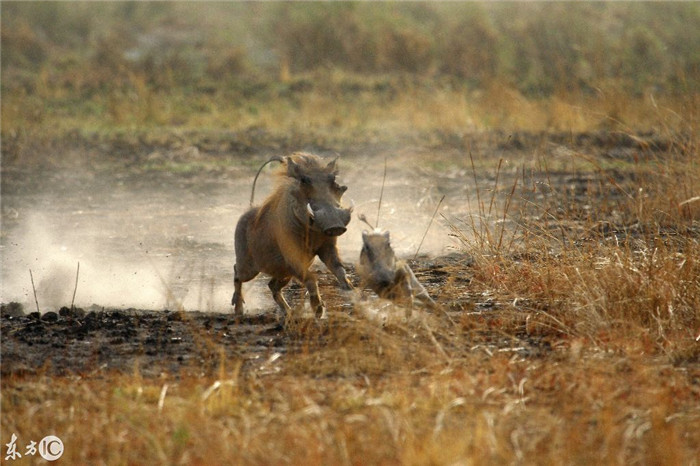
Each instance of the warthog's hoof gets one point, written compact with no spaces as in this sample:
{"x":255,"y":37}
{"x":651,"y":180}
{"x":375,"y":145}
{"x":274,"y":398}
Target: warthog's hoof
{"x":321,"y":312}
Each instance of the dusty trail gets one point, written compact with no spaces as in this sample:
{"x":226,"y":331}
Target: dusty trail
{"x":160,"y":241}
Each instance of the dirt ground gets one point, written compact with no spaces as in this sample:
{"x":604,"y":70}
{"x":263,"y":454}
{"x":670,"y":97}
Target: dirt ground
{"x":155,"y":247}
{"x":156,"y":342}
{"x":88,"y":341}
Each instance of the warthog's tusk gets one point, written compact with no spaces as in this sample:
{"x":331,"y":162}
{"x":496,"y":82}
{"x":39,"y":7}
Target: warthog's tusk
{"x":352,"y":205}
{"x":310,"y":210}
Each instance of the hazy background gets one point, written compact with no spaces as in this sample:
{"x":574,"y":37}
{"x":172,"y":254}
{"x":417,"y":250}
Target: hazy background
{"x":537,"y":48}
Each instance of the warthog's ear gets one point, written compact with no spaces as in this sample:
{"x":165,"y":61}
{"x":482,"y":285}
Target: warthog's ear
{"x":293,"y":170}
{"x":331,"y":167}
{"x":297,"y":172}
{"x":386,"y":235}
{"x":364,"y":236}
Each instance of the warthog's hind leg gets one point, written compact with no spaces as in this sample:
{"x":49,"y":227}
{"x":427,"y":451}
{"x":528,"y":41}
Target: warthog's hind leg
{"x":237,"y":298}
{"x":314,"y":295}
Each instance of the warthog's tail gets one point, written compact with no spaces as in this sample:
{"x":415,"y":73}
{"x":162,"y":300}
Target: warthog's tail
{"x":276,"y":158}
{"x":363,"y":218}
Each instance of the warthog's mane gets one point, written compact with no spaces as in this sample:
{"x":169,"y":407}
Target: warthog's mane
{"x":279,"y":199}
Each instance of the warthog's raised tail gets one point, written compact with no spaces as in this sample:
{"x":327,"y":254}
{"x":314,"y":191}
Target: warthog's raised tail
{"x":276,"y":158}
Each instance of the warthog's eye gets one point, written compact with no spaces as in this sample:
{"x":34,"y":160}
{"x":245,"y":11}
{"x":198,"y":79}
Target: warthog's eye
{"x":305,"y":180}
{"x":368,"y":252}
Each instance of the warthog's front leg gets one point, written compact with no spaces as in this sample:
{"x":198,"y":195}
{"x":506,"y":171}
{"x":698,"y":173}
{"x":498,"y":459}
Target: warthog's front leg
{"x":418,"y":289}
{"x":403,"y":291}
{"x":329,"y":256}
{"x":308,"y":278}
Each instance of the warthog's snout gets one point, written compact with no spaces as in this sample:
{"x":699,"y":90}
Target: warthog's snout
{"x":330,"y":220}
{"x":384,"y":283}
{"x":335,"y":231}
{"x":383,"y":280}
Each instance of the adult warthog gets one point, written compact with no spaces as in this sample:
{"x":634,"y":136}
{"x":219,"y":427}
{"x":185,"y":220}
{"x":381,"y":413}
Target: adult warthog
{"x":300,"y":220}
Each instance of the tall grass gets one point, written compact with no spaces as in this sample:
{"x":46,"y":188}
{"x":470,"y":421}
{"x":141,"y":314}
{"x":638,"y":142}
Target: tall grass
{"x":152,"y":65}
{"x":345,"y":72}
{"x":611,"y":257}
{"x":536,"y":48}
{"x":373,"y":397}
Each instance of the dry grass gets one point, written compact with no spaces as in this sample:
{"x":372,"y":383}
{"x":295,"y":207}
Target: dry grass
{"x":377,"y":397}
{"x":332,"y":108}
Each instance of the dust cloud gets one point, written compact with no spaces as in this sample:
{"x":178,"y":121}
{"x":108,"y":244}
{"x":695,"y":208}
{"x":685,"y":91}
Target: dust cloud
{"x":166,"y":242}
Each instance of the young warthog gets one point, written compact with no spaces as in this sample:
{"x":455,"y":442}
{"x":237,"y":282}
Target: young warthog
{"x":301,"y":219}
{"x":389,"y":278}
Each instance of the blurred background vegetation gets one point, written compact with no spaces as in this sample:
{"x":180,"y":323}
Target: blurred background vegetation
{"x":364,"y":67}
